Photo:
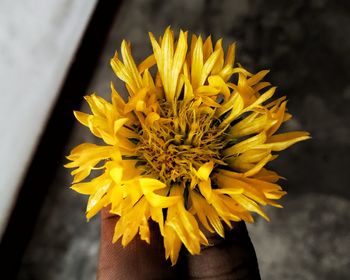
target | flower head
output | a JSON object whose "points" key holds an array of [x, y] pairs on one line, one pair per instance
{"points": [[189, 146]]}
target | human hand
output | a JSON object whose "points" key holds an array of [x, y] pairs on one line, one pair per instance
{"points": [[230, 258]]}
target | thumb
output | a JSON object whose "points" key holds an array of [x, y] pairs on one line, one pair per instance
{"points": [[232, 257]]}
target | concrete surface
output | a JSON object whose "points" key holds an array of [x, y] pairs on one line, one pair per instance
{"points": [[306, 45]]}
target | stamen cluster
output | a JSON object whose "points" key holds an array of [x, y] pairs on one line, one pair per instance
{"points": [[171, 149]]}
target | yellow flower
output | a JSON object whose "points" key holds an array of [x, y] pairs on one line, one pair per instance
{"points": [[189, 146]]}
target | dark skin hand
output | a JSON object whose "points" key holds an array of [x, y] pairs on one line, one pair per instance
{"points": [[230, 258]]}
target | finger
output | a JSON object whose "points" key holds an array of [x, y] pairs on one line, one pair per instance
{"points": [[138, 260], [230, 258]]}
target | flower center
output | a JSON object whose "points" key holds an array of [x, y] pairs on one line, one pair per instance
{"points": [[174, 145]]}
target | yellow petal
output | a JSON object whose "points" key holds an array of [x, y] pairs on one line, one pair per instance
{"points": [[229, 184], [267, 175], [250, 205], [151, 118], [258, 166], [85, 157], [232, 211], [116, 174], [204, 171], [117, 100], [207, 48], [118, 124], [199, 205], [247, 126], [144, 231], [279, 117], [245, 145], [148, 187], [214, 220], [187, 230], [96, 104], [282, 141], [157, 216], [172, 244], [220, 61], [230, 191], [96, 197], [130, 64], [188, 94], [147, 63], [130, 171], [122, 73], [229, 104], [82, 117], [217, 82], [265, 96], [178, 60], [207, 90], [250, 156], [86, 188], [103, 202], [230, 173], [257, 77], [107, 137], [218, 202], [161, 201], [236, 105], [116, 198], [129, 223], [261, 86], [205, 189], [197, 63], [230, 55], [208, 66], [137, 102]]}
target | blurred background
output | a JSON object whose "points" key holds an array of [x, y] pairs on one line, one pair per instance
{"points": [[52, 53]]}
